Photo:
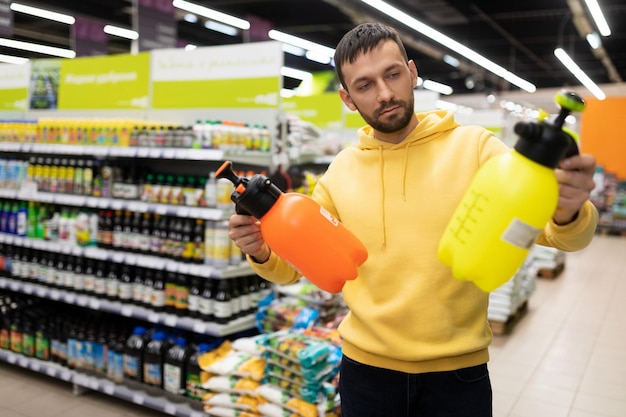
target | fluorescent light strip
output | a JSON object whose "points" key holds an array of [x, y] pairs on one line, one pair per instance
{"points": [[121, 32], [295, 73], [598, 17], [46, 14], [221, 28], [317, 57], [293, 50], [301, 43], [438, 87], [35, 47], [452, 61], [212, 14], [451, 44], [9, 59], [569, 63]]}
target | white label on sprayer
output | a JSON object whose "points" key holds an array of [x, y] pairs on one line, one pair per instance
{"points": [[520, 234], [329, 216]]}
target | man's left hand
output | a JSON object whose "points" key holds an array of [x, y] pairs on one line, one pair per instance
{"points": [[575, 178]]}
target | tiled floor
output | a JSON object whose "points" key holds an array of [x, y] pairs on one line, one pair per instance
{"points": [[566, 357]]}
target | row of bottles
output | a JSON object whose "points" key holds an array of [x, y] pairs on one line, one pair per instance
{"points": [[115, 179], [225, 135], [195, 241], [216, 301], [98, 343]]}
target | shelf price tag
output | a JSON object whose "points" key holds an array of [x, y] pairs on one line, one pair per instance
{"points": [[35, 366], [153, 317], [81, 300], [127, 311], [199, 327], [28, 289], [12, 359], [170, 409], [169, 153], [138, 399], [51, 371], [94, 304], [23, 362], [108, 389], [94, 384], [171, 321]]}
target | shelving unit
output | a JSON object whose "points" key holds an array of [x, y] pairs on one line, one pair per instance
{"points": [[105, 386]]}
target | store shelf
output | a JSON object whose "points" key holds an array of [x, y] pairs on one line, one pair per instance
{"points": [[205, 213], [146, 261], [128, 310], [244, 157], [101, 385]]}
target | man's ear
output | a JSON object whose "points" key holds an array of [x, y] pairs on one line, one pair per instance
{"points": [[347, 100], [413, 71]]}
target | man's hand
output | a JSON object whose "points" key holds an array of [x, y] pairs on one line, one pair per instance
{"points": [[245, 231], [575, 178]]}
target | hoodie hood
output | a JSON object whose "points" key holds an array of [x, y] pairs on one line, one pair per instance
{"points": [[429, 126]]}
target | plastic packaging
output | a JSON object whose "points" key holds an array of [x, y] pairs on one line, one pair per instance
{"points": [[509, 202], [299, 230]]}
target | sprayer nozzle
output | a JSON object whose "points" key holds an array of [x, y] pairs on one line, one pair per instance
{"points": [[226, 171]]}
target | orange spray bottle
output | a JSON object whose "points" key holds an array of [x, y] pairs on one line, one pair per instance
{"points": [[299, 230]]}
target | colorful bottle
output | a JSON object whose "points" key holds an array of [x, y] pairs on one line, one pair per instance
{"points": [[508, 203], [325, 252]]}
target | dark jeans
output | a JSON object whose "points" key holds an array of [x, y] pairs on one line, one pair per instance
{"points": [[367, 391]]}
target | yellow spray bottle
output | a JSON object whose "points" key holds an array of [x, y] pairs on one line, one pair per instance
{"points": [[509, 202]]}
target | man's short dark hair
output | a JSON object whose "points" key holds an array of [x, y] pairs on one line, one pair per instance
{"points": [[362, 39]]}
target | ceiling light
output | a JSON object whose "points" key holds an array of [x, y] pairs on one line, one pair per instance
{"points": [[317, 57], [451, 44], [212, 14], [594, 40], [293, 50], [452, 61], [9, 59], [301, 43], [121, 32], [295, 73], [46, 14], [221, 28], [598, 17], [578, 73], [438, 87], [35, 47], [190, 47], [191, 18]]}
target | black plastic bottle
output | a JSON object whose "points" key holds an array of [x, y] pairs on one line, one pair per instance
{"points": [[157, 300], [174, 367], [181, 304], [223, 306], [134, 354], [112, 284], [125, 286], [153, 360], [195, 375], [206, 308], [195, 294]]}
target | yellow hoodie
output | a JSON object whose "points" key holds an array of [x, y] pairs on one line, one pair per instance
{"points": [[407, 312]]}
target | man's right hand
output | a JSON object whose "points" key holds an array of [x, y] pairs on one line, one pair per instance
{"points": [[245, 231]]}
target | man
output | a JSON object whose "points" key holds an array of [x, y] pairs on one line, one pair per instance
{"points": [[415, 341]]}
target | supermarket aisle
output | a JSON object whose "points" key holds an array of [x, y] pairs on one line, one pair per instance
{"points": [[564, 358]]}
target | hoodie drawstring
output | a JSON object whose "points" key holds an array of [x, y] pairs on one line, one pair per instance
{"points": [[381, 164], [405, 162]]}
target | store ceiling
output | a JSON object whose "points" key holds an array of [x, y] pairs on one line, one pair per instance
{"points": [[520, 36]]}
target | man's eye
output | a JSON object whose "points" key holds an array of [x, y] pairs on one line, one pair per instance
{"points": [[364, 86], [394, 75]]}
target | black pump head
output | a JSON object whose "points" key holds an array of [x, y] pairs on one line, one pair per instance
{"points": [[548, 143], [253, 196]]}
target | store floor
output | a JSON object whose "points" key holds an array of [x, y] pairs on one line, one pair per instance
{"points": [[566, 357]]}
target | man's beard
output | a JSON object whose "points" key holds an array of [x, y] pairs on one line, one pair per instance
{"points": [[396, 123]]}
